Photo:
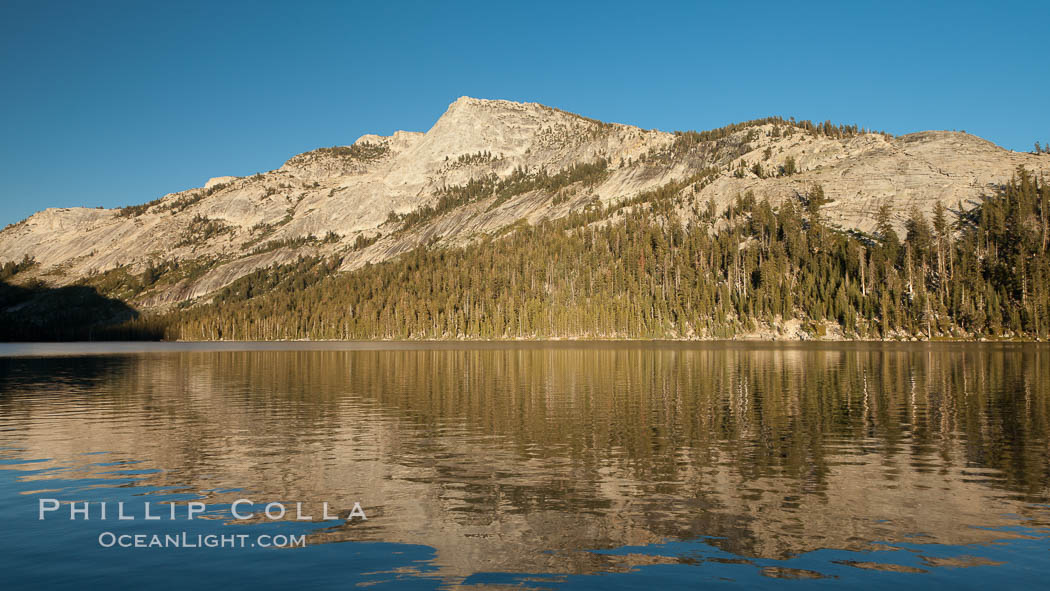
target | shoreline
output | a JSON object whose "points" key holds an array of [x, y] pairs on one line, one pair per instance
{"points": [[740, 339], [92, 348]]}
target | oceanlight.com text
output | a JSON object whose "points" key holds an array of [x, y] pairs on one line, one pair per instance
{"points": [[108, 539]]}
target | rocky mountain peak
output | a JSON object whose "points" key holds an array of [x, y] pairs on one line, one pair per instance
{"points": [[381, 196]]}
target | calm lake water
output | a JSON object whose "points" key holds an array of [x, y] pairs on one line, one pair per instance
{"points": [[534, 465]]}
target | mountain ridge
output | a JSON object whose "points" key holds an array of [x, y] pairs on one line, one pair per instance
{"points": [[382, 196]]}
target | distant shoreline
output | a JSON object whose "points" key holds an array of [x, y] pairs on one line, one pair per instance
{"points": [[89, 348], [741, 339]]}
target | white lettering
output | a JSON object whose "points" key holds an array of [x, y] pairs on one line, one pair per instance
{"points": [[73, 511], [194, 508], [51, 505], [357, 511], [279, 506], [236, 515]]}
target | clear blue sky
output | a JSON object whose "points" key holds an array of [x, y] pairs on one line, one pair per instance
{"points": [[112, 103]]}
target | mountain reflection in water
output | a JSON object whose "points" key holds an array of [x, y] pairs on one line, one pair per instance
{"points": [[554, 458]]}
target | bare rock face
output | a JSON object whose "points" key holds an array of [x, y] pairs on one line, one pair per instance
{"points": [[862, 173], [325, 202], [219, 180]]}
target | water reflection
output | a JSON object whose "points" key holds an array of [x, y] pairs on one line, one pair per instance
{"points": [[524, 459]]}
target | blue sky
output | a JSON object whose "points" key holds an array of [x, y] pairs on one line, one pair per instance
{"points": [[113, 103]]}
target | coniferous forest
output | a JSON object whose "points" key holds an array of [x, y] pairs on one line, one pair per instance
{"points": [[638, 270]]}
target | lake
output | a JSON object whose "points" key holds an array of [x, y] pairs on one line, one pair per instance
{"points": [[536, 465]]}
